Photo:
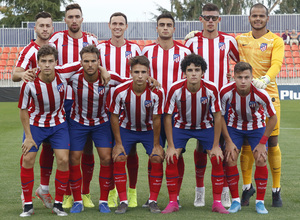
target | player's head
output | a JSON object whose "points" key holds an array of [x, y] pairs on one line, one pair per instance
{"points": [[90, 60], [210, 17], [139, 69], [47, 59], [165, 26], [73, 17], [259, 16], [193, 67], [118, 24], [43, 25], [243, 77]]}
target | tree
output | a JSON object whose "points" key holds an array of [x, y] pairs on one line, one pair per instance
{"points": [[16, 11]]}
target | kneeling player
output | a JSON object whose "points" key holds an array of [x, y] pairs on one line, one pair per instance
{"points": [[247, 113], [194, 98], [139, 123]]}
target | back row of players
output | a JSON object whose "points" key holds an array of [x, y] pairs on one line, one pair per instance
{"points": [[88, 114]]}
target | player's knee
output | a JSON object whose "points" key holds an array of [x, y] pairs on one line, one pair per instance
{"points": [[62, 160], [121, 158], [28, 160], [105, 161], [156, 159], [74, 159]]}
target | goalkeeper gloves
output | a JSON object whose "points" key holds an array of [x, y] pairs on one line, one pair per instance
{"points": [[190, 35], [262, 82]]}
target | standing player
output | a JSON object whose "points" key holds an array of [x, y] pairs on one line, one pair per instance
{"points": [[165, 57], [115, 55], [264, 51], [195, 99], [140, 122], [248, 109], [42, 117], [216, 48]]}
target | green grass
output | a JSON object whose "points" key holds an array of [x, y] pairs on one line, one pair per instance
{"points": [[10, 190]]}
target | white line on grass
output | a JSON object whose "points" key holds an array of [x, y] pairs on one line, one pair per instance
{"points": [[290, 128]]}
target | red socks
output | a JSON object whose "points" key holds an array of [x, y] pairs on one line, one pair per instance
{"points": [[200, 159], [27, 181], [180, 167], [87, 167], [155, 179], [75, 182], [105, 181], [217, 178], [172, 179], [61, 181], [120, 178], [46, 163], [261, 179], [233, 177], [132, 168]]}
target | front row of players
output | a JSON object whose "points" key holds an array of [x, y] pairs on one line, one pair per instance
{"points": [[135, 116]]}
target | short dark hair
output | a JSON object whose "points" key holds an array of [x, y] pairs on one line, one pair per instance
{"points": [[73, 6], [210, 7], [90, 49], [259, 5], [197, 60], [165, 15], [242, 66], [47, 50], [142, 60], [118, 14], [43, 14]]}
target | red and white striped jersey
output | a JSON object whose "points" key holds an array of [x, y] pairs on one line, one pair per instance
{"points": [[116, 58], [216, 52], [138, 110], [44, 101], [193, 108], [165, 64], [91, 98], [246, 113], [28, 56]]}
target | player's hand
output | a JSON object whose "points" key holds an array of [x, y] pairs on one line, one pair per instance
{"points": [[216, 151], [153, 83], [171, 151], [158, 151], [190, 35], [117, 150], [27, 145], [91, 35], [261, 151], [105, 76], [262, 82], [29, 75], [230, 151]]}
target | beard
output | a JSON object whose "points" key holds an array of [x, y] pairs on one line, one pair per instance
{"points": [[74, 30], [260, 28], [42, 37]]}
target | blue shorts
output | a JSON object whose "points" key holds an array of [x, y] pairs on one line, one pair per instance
{"points": [[100, 134], [204, 136], [163, 137], [67, 106], [253, 136], [57, 136], [130, 138]]}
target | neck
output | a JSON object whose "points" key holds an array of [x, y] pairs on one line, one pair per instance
{"points": [[259, 33], [41, 42], [243, 93], [117, 42], [193, 87], [166, 44], [139, 89], [210, 35], [76, 35], [46, 78], [91, 78]]}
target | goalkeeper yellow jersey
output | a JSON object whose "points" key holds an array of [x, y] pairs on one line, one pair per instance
{"points": [[265, 55]]}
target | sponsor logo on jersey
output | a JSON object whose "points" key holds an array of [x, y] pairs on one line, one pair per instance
{"points": [[85, 44], [107, 54], [252, 104], [153, 57], [101, 90], [128, 54], [176, 58], [60, 87], [204, 100], [148, 103], [263, 47], [222, 46]]}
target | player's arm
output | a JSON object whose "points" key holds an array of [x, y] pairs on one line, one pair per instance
{"points": [[171, 151], [105, 76], [157, 149], [28, 141], [230, 148], [118, 148], [21, 74], [154, 84], [216, 150]]}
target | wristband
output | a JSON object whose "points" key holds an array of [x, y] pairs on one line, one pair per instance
{"points": [[263, 140]]}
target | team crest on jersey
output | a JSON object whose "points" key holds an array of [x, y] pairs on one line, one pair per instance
{"points": [[148, 103], [252, 104], [128, 54], [222, 46], [85, 44], [263, 47], [176, 58], [101, 90], [60, 87], [204, 100]]}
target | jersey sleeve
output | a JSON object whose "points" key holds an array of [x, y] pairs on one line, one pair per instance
{"points": [[277, 58], [267, 104], [69, 69], [115, 106], [234, 52], [24, 59], [25, 96], [215, 100], [159, 103], [170, 101]]}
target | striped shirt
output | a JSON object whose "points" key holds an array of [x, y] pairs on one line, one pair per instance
{"points": [[249, 112], [28, 56], [193, 108]]}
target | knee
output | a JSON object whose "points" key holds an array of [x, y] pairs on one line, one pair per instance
{"points": [[156, 159], [121, 158], [28, 161], [105, 161], [62, 160]]}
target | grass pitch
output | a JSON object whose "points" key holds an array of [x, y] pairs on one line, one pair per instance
{"points": [[10, 204]]}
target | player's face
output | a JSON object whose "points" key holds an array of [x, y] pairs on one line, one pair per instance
{"points": [[258, 18], [193, 74], [47, 64], [210, 20], [90, 63], [43, 28], [139, 74], [117, 26], [243, 82], [165, 28], [74, 19]]}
